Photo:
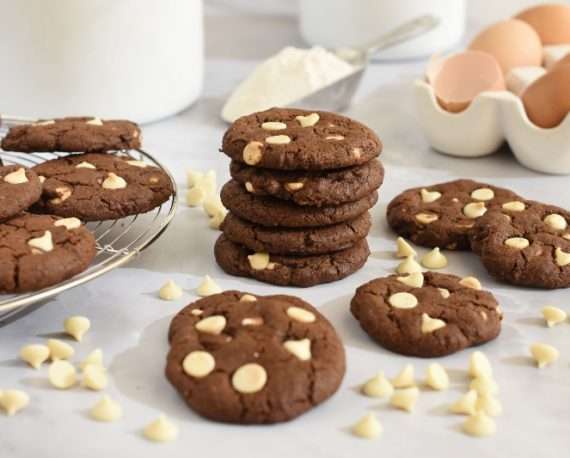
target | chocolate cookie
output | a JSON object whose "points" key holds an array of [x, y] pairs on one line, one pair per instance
{"points": [[296, 241], [442, 215], [73, 134], [527, 244], [426, 315], [97, 187], [289, 270], [271, 212], [37, 251], [291, 139], [19, 189], [247, 359], [333, 187]]}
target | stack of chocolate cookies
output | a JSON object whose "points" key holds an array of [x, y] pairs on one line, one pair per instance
{"points": [[302, 184]]}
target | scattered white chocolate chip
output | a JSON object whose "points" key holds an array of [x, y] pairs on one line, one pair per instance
{"points": [[403, 300], [437, 377], [43, 243], [409, 266], [519, 243], [197, 312], [16, 177], [214, 324], [63, 193], [430, 324], [258, 261], [489, 404], [562, 258], [217, 220], [59, 349], [85, 165], [95, 358], [208, 287], [248, 298], [471, 282], [42, 179], [479, 365], [426, 218], [301, 315], [139, 164], [94, 377], [308, 120], [113, 182], [566, 236], [77, 326], [405, 378], [170, 291], [300, 348], [444, 292], [434, 259], [514, 206], [357, 152], [68, 223], [253, 152], [466, 404], [405, 398], [198, 364], [484, 385], [295, 186], [249, 378], [474, 210], [193, 177], [479, 425], [415, 280], [35, 355], [255, 321], [273, 125], [429, 196], [483, 194], [404, 249], [62, 374], [95, 122], [12, 401], [368, 427], [161, 430], [553, 315], [556, 222], [544, 354], [378, 387], [212, 205], [278, 140], [106, 410]]}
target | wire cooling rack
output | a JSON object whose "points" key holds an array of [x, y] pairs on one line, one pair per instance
{"points": [[118, 241]]}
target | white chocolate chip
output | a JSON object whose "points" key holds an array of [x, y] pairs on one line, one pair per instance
{"points": [[193, 177], [471, 282], [444, 292], [553, 315], [408, 266], [248, 298], [514, 206], [434, 259], [367, 427], [195, 196], [479, 425], [35, 355], [49, 122], [484, 385], [85, 165], [544, 354], [198, 364], [94, 377], [214, 324], [95, 358], [68, 223], [483, 194], [437, 378], [405, 399], [273, 125], [479, 365], [258, 261], [77, 326], [466, 404], [308, 120], [249, 187], [139, 164], [295, 186], [556, 222], [249, 378], [12, 401], [301, 315], [483, 315], [403, 300], [106, 410], [212, 205], [518, 243], [252, 153], [426, 218], [415, 280], [562, 258], [488, 404], [272, 265], [566, 236], [197, 312], [63, 193], [95, 122], [357, 152], [255, 321], [16, 177], [161, 430], [474, 210], [59, 349], [42, 179], [378, 387], [170, 291], [62, 374], [278, 140], [429, 196], [300, 348], [430, 324], [43, 243], [114, 182], [404, 249], [405, 378], [208, 287]]}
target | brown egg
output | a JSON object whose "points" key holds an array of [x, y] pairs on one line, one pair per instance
{"points": [[463, 76], [547, 100], [551, 21], [512, 42]]}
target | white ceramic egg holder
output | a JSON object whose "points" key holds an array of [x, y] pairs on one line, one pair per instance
{"points": [[490, 119]]}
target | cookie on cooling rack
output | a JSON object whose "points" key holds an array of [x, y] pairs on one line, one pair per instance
{"points": [[19, 189], [37, 251], [96, 187], [73, 134], [240, 358]]}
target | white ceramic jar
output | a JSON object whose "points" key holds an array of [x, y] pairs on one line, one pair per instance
{"points": [[340, 23], [135, 59]]}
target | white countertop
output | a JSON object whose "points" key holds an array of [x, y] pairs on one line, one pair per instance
{"points": [[130, 322]]}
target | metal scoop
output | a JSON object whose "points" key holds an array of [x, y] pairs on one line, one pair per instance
{"points": [[338, 95]]}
